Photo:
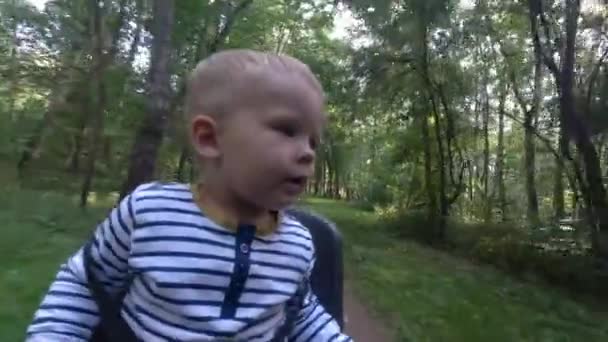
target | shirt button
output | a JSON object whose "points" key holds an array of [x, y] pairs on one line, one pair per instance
{"points": [[244, 248]]}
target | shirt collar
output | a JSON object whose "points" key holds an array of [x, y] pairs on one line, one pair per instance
{"points": [[265, 225]]}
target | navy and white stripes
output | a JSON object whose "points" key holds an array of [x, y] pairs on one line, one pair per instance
{"points": [[194, 280]]}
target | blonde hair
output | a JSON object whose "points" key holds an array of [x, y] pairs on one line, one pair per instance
{"points": [[214, 84]]}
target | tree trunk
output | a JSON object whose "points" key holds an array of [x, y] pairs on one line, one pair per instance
{"points": [[57, 101], [330, 167], [181, 165], [74, 164], [529, 146], [444, 204], [476, 130], [98, 88], [107, 151], [439, 223], [428, 171], [14, 67], [471, 174], [576, 127], [558, 182], [529, 170], [34, 140], [326, 176], [443, 200], [329, 179], [593, 176], [487, 207], [500, 156], [336, 190], [150, 134], [193, 173], [137, 35], [202, 50], [319, 170], [337, 171]]}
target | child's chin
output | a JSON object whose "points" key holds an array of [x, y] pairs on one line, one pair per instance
{"points": [[283, 203]]}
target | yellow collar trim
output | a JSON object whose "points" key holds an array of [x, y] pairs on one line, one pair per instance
{"points": [[265, 225]]}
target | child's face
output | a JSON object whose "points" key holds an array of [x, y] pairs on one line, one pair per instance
{"points": [[266, 150]]}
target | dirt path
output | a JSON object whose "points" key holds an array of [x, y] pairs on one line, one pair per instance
{"points": [[359, 323]]}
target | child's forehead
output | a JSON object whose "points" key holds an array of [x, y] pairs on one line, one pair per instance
{"points": [[238, 78], [242, 60], [236, 67], [281, 91]]}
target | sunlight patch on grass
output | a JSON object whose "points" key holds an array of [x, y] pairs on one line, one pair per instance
{"points": [[102, 199]]}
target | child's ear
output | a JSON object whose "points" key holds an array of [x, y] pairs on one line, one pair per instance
{"points": [[204, 136]]}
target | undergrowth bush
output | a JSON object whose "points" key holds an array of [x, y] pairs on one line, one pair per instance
{"points": [[519, 251]]}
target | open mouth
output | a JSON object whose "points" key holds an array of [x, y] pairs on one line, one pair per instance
{"points": [[295, 185], [299, 181]]}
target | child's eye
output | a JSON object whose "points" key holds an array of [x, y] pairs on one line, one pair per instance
{"points": [[285, 129], [313, 144]]}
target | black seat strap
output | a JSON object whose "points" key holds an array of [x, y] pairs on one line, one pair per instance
{"points": [[112, 327]]}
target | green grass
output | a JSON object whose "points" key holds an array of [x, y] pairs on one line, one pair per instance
{"points": [[39, 231], [424, 294], [427, 295]]}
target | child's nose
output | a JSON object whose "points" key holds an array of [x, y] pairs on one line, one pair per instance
{"points": [[306, 153], [307, 156]]}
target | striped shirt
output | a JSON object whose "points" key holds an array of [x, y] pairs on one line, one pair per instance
{"points": [[193, 280]]}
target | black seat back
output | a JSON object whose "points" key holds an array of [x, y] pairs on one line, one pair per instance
{"points": [[328, 272]]}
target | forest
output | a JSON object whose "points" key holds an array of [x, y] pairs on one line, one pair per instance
{"points": [[464, 136]]}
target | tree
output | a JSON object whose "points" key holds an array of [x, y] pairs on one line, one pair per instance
{"points": [[500, 156], [573, 123], [99, 90], [150, 134], [502, 101], [206, 46]]}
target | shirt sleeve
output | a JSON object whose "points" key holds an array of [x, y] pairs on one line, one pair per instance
{"points": [[68, 311], [313, 322]]}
